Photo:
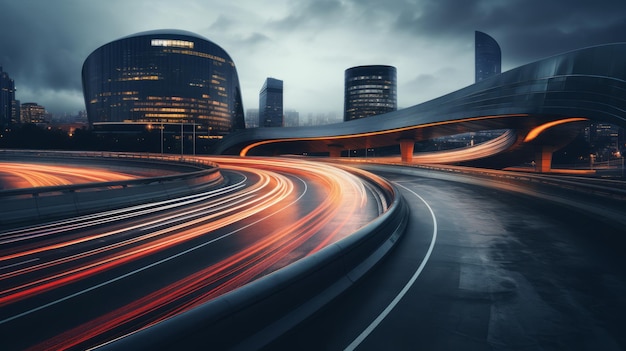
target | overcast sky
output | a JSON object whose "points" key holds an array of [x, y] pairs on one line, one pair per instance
{"points": [[306, 43]]}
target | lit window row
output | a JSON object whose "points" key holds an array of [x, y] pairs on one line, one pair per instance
{"points": [[365, 77], [163, 109], [168, 115], [366, 91], [196, 53], [125, 79], [367, 86], [172, 43]]}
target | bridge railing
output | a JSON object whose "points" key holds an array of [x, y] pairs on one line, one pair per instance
{"points": [[36, 204], [130, 156]]}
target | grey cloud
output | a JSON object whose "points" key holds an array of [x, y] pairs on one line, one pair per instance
{"points": [[44, 43], [311, 14]]}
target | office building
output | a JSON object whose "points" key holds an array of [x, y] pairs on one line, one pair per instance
{"points": [[369, 91], [271, 103], [488, 58], [33, 113], [163, 77], [9, 110]]}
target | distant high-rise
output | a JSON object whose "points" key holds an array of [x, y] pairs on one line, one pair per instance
{"points": [[488, 58], [369, 91], [33, 113], [271, 103], [8, 107]]}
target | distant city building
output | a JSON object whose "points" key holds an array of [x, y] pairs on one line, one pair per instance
{"points": [[488, 58], [271, 103], [9, 107], [163, 76], [292, 118], [369, 91], [33, 113], [321, 119], [82, 117], [252, 118], [16, 112], [604, 135]]}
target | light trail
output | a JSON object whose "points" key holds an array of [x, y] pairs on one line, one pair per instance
{"points": [[28, 175], [38, 261]]}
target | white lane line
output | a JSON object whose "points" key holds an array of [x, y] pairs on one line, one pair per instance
{"points": [[154, 264], [408, 285]]}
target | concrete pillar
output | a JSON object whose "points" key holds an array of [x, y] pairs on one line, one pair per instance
{"points": [[335, 150], [406, 150], [543, 159]]}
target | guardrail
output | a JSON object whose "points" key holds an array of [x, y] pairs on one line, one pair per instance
{"points": [[45, 154], [610, 189], [255, 314], [29, 205]]}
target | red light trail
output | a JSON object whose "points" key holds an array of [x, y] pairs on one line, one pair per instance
{"points": [[281, 211]]}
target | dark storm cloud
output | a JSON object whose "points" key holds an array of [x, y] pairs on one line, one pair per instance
{"points": [[312, 15], [44, 43], [527, 30]]}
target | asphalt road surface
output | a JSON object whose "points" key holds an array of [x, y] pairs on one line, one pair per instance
{"points": [[80, 282], [482, 268]]}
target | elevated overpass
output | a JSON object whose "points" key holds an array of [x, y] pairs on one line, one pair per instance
{"points": [[544, 104]]}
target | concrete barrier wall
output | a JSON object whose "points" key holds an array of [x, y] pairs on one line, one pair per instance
{"points": [[31, 205], [255, 314]]}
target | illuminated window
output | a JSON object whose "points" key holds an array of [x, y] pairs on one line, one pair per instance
{"points": [[173, 43]]}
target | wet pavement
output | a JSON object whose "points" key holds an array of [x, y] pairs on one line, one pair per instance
{"points": [[507, 272]]}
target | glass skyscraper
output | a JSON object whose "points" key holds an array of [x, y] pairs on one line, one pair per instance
{"points": [[488, 58], [163, 76], [369, 91], [8, 108], [271, 103]]}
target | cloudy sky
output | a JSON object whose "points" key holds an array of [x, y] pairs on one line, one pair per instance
{"points": [[306, 43]]}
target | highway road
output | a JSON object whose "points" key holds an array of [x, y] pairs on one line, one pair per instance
{"points": [[485, 266], [80, 282]]}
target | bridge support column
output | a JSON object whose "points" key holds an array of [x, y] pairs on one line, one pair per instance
{"points": [[406, 149], [335, 150], [543, 159]]}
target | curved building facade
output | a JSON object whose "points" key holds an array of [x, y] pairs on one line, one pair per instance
{"points": [[369, 91], [488, 57], [541, 102], [163, 76]]}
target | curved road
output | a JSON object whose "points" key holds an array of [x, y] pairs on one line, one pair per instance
{"points": [[483, 268], [77, 283]]}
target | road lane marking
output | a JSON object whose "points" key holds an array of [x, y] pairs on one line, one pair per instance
{"points": [[354, 344], [154, 264]]}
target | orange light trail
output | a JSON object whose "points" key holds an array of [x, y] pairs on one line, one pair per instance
{"points": [[540, 129], [246, 149], [40, 266], [27, 175]]}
